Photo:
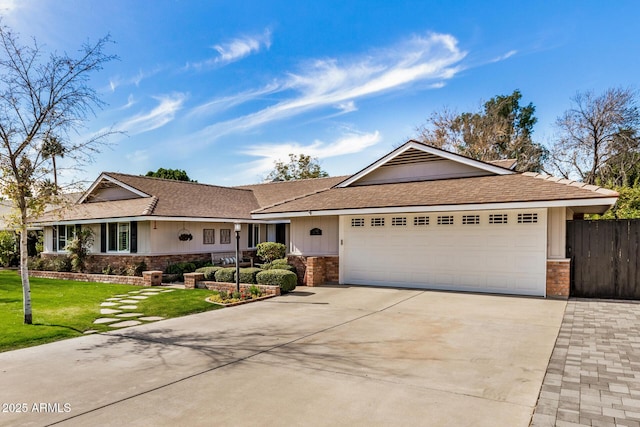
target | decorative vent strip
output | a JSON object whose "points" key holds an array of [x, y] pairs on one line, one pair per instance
{"points": [[445, 219], [399, 221], [377, 222], [498, 218], [357, 222], [470, 219], [420, 220], [527, 218]]}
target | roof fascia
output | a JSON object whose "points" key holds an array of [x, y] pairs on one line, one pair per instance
{"points": [[604, 201], [104, 176], [428, 149], [159, 218]]}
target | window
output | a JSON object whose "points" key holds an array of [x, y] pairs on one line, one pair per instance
{"points": [[62, 234], [470, 219], [399, 221], [377, 222], [357, 222], [208, 236], [420, 220], [527, 218], [225, 236], [498, 218], [254, 235], [445, 219], [118, 236]]}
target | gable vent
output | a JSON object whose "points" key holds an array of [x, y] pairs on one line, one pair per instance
{"points": [[377, 222], [420, 220], [412, 156], [357, 222], [445, 219], [470, 219], [399, 221]]}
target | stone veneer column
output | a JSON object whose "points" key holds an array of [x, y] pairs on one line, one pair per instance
{"points": [[192, 279], [152, 278], [558, 278]]}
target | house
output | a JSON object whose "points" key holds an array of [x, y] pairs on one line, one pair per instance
{"points": [[418, 217]]}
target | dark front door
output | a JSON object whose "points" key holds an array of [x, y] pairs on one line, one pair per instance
{"points": [[281, 233]]}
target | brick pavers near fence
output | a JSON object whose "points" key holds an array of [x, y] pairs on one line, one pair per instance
{"points": [[593, 377]]}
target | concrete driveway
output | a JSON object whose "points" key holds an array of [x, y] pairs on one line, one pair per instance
{"points": [[319, 356]]}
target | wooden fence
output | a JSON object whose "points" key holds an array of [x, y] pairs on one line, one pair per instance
{"points": [[605, 258]]}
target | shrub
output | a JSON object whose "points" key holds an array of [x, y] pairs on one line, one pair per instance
{"points": [[9, 249], [61, 264], [136, 269], [255, 291], [286, 279], [181, 268], [225, 275], [248, 275], [108, 270], [269, 251], [209, 272], [276, 266], [37, 264], [78, 248]]}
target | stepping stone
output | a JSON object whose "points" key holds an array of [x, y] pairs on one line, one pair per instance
{"points": [[151, 318], [123, 296], [168, 290], [139, 297], [125, 324], [128, 307], [90, 331], [134, 292], [109, 311], [129, 314], [130, 301], [105, 320], [150, 294], [114, 299], [108, 304]]}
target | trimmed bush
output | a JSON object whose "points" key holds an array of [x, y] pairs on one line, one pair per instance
{"points": [[248, 275], [286, 279], [225, 275], [209, 272], [268, 251], [279, 266], [181, 268]]}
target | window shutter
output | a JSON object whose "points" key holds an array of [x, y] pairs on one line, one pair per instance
{"points": [[55, 238], [133, 248], [103, 237]]}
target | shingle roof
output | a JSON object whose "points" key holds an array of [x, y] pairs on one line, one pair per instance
{"points": [[270, 193], [477, 190]]}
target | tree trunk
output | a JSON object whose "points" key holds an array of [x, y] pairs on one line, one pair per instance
{"points": [[24, 273], [55, 175]]}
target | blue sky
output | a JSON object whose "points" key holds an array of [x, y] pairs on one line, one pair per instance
{"points": [[222, 89]]}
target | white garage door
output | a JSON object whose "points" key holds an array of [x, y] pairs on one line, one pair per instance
{"points": [[484, 251]]}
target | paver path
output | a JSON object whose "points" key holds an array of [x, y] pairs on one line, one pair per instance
{"points": [[121, 307], [593, 377]]}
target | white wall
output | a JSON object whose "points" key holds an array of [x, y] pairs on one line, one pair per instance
{"points": [[163, 237], [556, 233], [304, 244]]}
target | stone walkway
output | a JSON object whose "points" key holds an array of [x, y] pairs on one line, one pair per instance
{"points": [[593, 377], [121, 310]]}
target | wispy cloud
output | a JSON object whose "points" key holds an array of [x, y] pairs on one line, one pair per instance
{"points": [[8, 6], [117, 81], [351, 142], [159, 116], [504, 56], [224, 103], [235, 49], [338, 83]]}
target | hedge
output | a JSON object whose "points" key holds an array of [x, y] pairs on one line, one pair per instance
{"points": [[248, 275], [286, 279], [209, 272], [225, 275]]}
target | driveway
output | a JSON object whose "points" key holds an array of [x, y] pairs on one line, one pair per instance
{"points": [[319, 356]]}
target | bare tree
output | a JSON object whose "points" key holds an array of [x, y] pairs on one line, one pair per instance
{"points": [[41, 96], [598, 137]]}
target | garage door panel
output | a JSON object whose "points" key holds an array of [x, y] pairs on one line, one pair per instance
{"points": [[507, 258]]}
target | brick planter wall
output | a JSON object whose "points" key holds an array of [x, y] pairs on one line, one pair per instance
{"points": [[315, 271], [558, 278], [85, 277], [195, 280]]}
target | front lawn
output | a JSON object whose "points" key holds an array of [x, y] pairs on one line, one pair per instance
{"points": [[64, 308]]}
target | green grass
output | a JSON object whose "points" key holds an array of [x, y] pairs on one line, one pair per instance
{"points": [[64, 309]]}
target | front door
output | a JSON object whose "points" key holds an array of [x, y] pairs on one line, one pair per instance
{"points": [[281, 233]]}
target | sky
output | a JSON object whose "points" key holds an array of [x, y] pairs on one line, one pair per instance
{"points": [[223, 89]]}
